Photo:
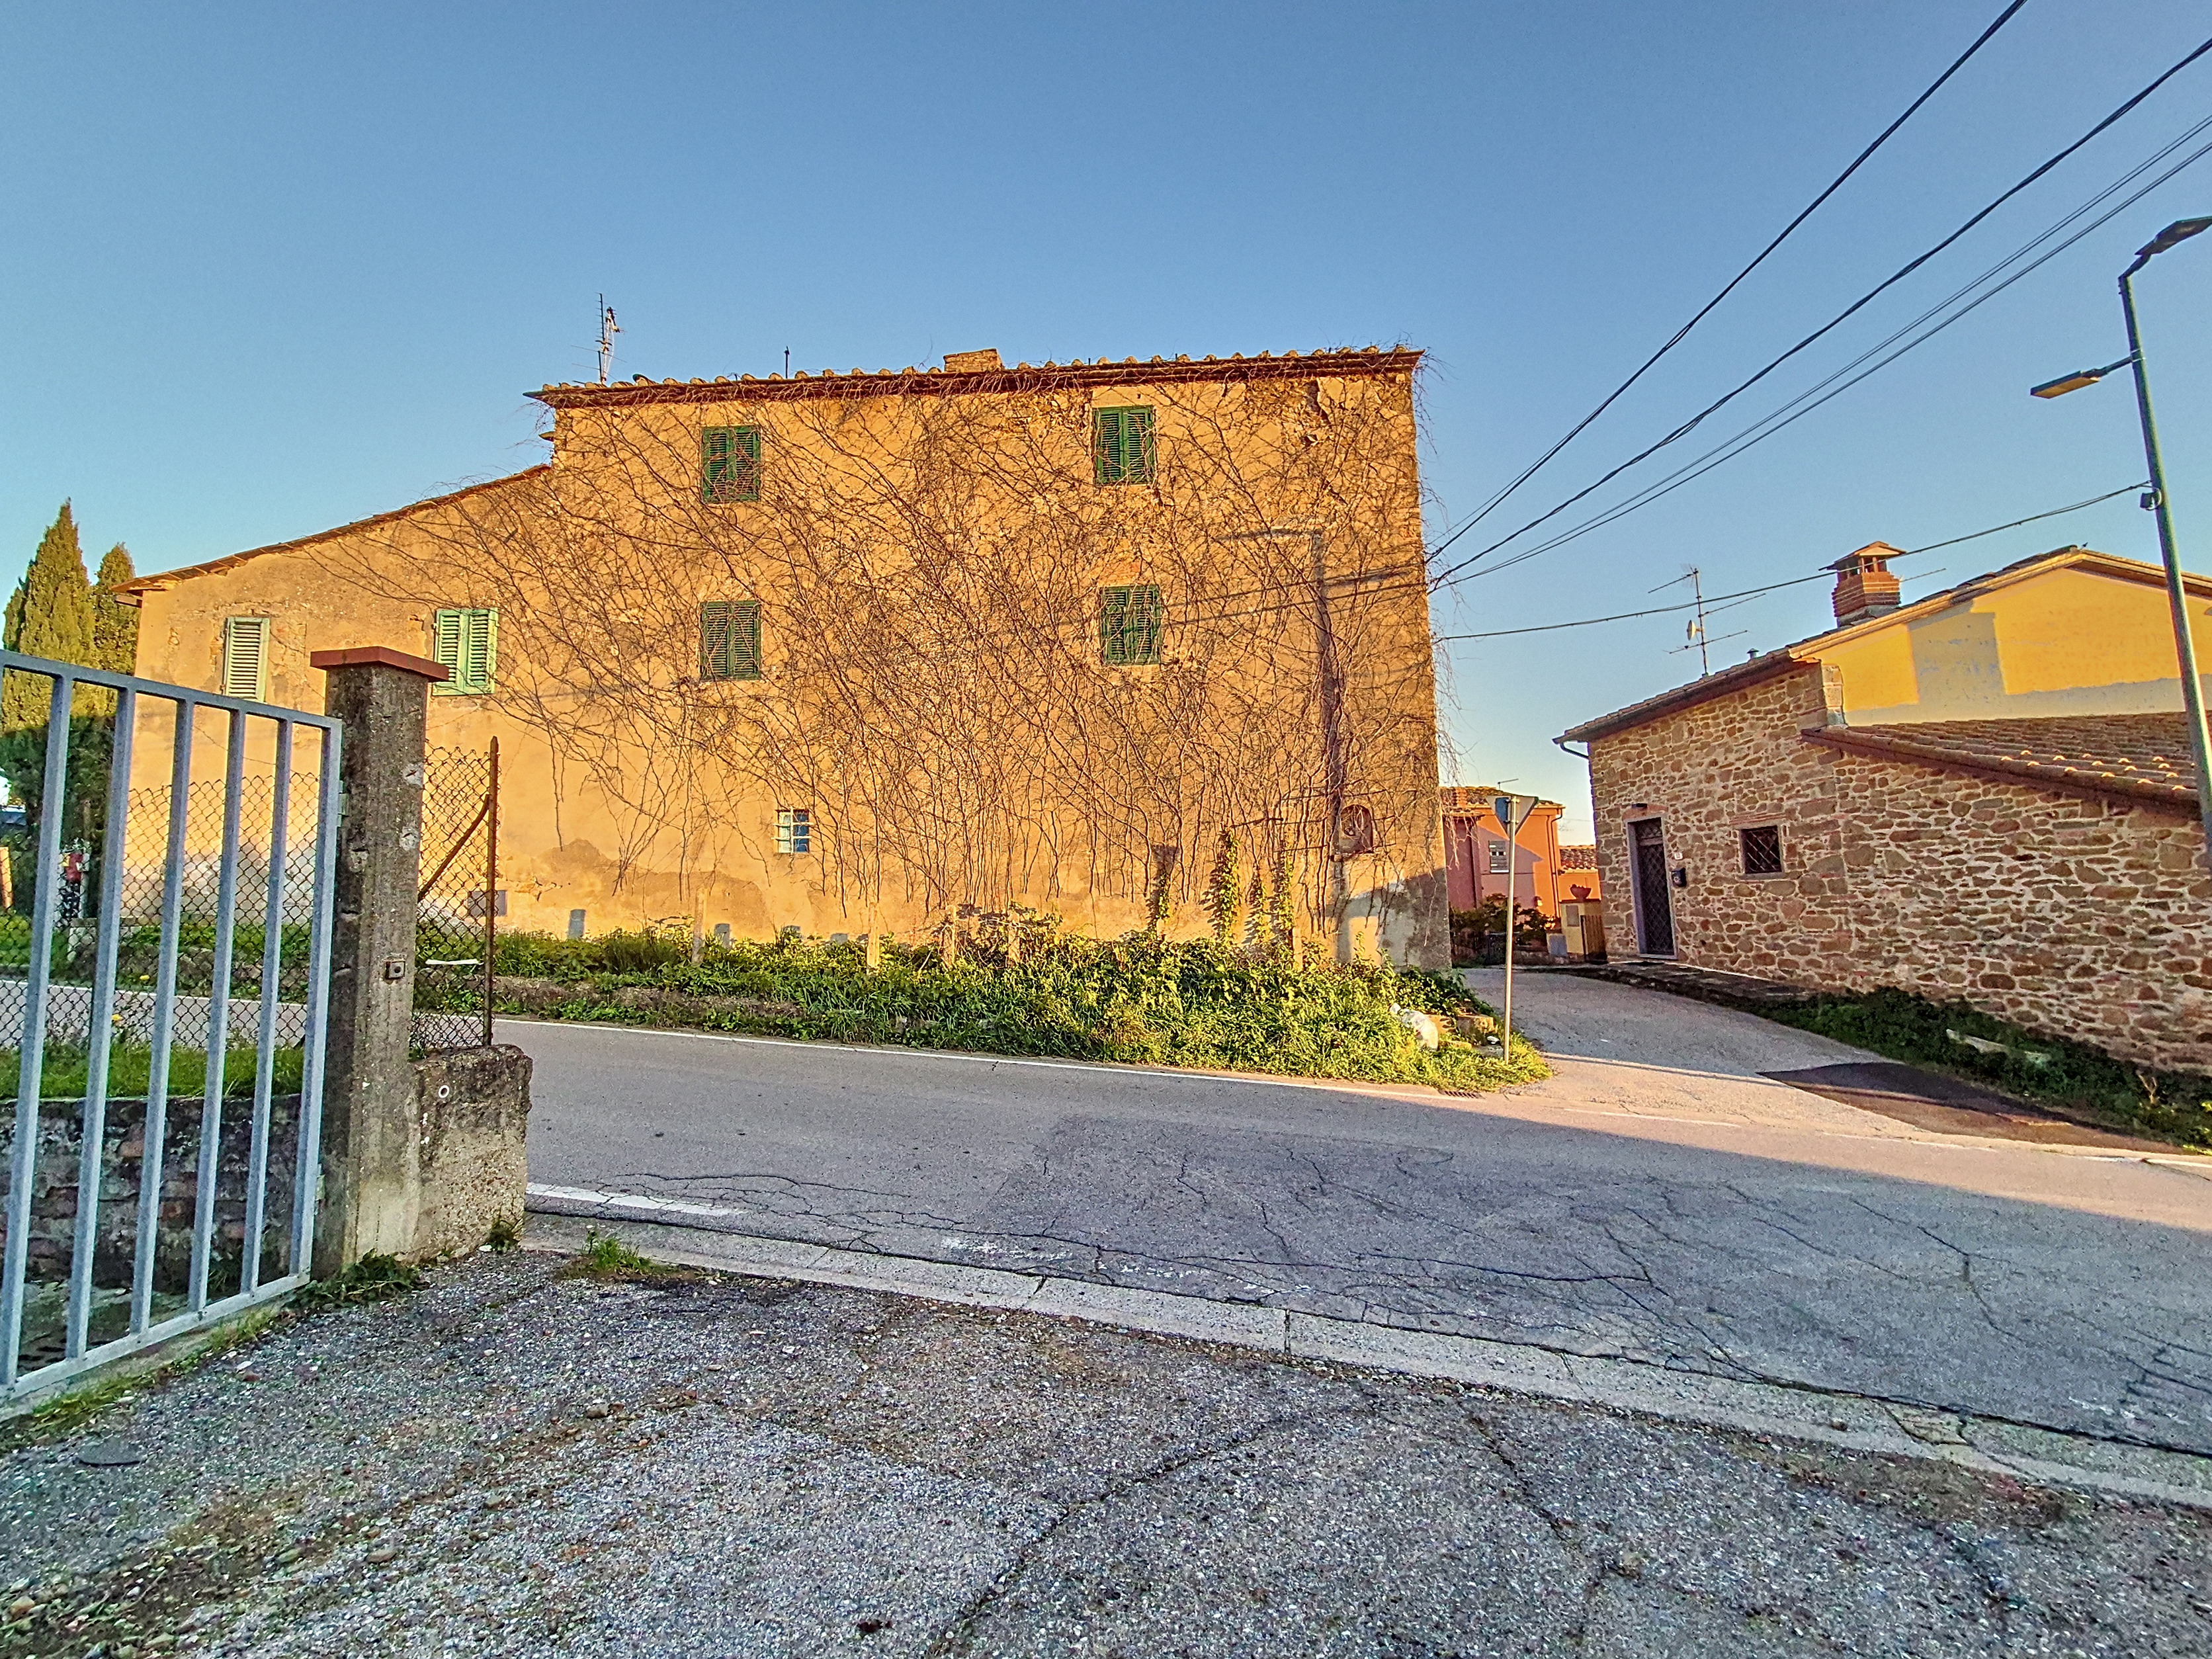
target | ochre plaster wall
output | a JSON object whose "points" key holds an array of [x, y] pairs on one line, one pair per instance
{"points": [[635, 792]]}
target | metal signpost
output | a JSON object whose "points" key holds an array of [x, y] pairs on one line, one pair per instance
{"points": [[1512, 812]]}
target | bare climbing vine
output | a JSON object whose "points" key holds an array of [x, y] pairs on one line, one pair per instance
{"points": [[928, 570]]}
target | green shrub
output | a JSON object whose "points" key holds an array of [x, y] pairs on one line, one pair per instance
{"points": [[1022, 986]]}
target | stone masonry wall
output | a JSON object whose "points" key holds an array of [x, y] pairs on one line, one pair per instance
{"points": [[2084, 918], [1707, 772], [2076, 916]]}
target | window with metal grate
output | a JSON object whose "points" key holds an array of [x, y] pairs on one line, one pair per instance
{"points": [[466, 641], [1130, 622], [245, 658], [794, 830], [1762, 850], [1121, 446], [730, 464], [730, 640]]}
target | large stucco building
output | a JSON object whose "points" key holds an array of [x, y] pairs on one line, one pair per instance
{"points": [[853, 652], [1986, 795]]}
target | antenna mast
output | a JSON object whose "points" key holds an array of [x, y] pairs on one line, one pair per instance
{"points": [[1694, 635], [608, 329]]}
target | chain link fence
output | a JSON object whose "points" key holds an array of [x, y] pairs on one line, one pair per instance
{"points": [[461, 900]]}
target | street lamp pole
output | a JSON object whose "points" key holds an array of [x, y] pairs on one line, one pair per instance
{"points": [[2177, 596], [2193, 690]]}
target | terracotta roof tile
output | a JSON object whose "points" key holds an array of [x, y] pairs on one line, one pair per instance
{"points": [[1022, 377], [2140, 756]]}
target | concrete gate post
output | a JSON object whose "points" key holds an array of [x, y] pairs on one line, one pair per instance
{"points": [[372, 1194]]}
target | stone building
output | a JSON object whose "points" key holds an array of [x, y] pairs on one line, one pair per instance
{"points": [[1986, 795], [856, 653]]}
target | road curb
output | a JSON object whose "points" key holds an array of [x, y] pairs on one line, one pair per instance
{"points": [[697, 1235]]}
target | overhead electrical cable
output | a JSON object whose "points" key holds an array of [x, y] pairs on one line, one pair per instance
{"points": [[1787, 414], [1729, 601], [1834, 323], [1710, 306]]}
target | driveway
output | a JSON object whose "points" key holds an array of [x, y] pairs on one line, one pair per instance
{"points": [[1659, 1200]]}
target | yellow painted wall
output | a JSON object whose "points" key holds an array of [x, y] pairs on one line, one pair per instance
{"points": [[2070, 639], [928, 570]]}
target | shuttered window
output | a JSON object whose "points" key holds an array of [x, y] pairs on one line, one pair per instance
{"points": [[466, 641], [730, 640], [1121, 445], [794, 830], [730, 464], [245, 658], [1130, 622]]}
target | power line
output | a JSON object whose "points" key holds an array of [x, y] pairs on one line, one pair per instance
{"points": [[1707, 309], [1718, 601], [1776, 419], [1852, 310]]}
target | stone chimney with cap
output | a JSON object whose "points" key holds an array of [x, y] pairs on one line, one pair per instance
{"points": [[985, 362], [1864, 587]]}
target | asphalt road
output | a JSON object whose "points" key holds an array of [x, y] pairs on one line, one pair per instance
{"points": [[1659, 1200]]}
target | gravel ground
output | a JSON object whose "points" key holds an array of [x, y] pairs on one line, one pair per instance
{"points": [[509, 1461]]}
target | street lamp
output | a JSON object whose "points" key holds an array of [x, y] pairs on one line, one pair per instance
{"points": [[2192, 693]]}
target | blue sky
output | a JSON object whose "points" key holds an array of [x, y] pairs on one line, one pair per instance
{"points": [[269, 269]]}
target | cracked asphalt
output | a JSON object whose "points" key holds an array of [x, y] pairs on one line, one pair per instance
{"points": [[1659, 1200], [510, 1462]]}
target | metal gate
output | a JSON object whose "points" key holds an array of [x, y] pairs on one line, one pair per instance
{"points": [[459, 908], [165, 959]]}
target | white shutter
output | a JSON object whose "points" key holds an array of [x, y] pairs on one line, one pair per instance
{"points": [[245, 658]]}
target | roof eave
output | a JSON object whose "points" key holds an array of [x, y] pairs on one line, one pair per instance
{"points": [[1368, 362], [1774, 664]]}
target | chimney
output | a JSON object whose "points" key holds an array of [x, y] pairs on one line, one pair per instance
{"points": [[1864, 587], [985, 362]]}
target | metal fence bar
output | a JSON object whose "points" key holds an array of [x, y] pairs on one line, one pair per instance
{"points": [[154, 1133], [50, 1336], [100, 1028], [272, 962], [307, 1178], [218, 1032], [33, 1041]]}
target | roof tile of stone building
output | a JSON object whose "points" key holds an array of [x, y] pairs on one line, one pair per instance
{"points": [[1794, 657], [2142, 756], [1369, 361]]}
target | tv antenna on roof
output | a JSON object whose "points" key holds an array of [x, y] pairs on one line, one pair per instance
{"points": [[608, 329], [1694, 635]]}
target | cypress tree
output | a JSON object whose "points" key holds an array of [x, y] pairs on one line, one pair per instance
{"points": [[51, 615], [115, 624]]}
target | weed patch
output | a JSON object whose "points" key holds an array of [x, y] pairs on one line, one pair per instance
{"points": [[607, 1258], [375, 1278], [2174, 1105], [1027, 988]]}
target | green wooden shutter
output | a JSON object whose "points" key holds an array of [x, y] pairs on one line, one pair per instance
{"points": [[480, 651], [714, 640], [1143, 629], [1121, 445], [730, 640], [446, 648], [1131, 621], [1113, 614], [467, 643], [746, 640], [730, 464]]}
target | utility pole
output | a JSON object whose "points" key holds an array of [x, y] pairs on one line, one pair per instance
{"points": [[608, 329]]}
